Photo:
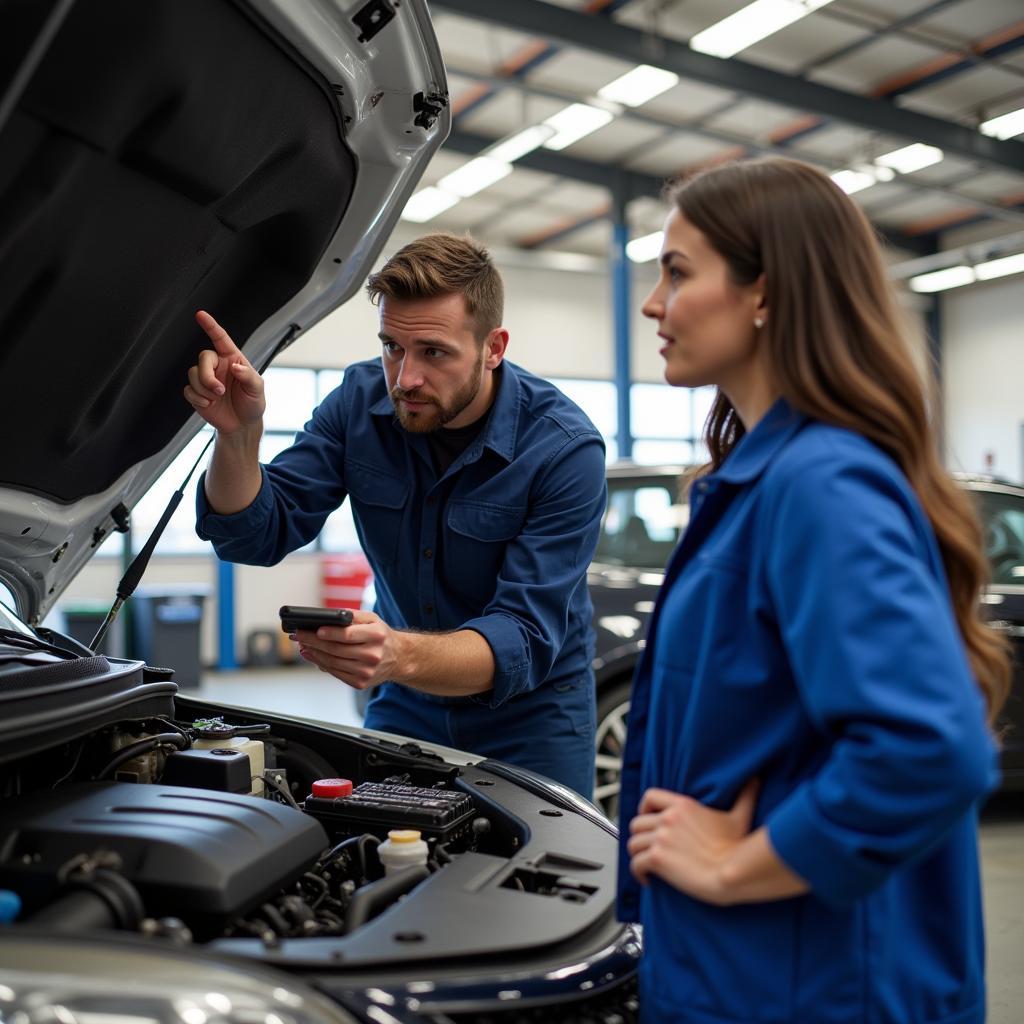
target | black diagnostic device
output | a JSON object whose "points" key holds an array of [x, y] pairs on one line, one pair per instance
{"points": [[294, 617]]}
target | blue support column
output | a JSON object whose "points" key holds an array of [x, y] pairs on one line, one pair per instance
{"points": [[933, 326], [226, 659], [621, 302]]}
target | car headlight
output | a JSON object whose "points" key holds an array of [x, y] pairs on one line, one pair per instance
{"points": [[59, 980]]}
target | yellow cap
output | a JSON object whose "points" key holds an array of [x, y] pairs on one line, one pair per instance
{"points": [[404, 835]]}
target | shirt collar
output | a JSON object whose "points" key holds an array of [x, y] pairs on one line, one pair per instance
{"points": [[502, 428], [749, 459]]}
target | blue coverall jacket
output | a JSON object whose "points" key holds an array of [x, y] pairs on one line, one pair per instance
{"points": [[804, 636], [499, 544]]}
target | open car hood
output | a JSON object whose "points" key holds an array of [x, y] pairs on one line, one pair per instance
{"points": [[249, 157]]}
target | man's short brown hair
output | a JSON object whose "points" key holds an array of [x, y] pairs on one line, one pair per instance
{"points": [[444, 264]]}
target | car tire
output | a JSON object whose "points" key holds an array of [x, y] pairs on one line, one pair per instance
{"points": [[612, 716]]}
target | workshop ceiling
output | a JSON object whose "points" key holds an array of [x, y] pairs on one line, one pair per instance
{"points": [[841, 86]]}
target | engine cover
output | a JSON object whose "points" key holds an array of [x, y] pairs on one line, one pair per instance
{"points": [[196, 854]]}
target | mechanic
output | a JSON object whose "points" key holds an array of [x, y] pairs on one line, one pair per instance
{"points": [[477, 491]]}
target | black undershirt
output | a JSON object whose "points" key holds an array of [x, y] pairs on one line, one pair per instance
{"points": [[447, 444]]}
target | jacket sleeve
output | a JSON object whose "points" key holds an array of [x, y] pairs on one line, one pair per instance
{"points": [[864, 612], [301, 487], [527, 620]]}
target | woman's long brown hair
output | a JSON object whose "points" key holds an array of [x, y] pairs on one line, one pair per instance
{"points": [[838, 352]]}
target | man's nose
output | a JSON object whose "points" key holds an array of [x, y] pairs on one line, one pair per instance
{"points": [[410, 374]]}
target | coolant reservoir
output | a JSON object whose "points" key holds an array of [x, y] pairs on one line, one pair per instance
{"points": [[403, 848], [254, 748]]}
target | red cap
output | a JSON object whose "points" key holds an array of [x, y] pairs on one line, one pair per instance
{"points": [[332, 788]]}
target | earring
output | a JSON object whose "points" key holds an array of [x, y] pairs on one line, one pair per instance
{"points": [[758, 322]]}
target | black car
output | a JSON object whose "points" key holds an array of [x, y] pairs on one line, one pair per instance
{"points": [[167, 859], [647, 511]]}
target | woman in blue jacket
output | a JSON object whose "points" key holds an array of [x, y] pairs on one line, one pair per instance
{"points": [[808, 740]]}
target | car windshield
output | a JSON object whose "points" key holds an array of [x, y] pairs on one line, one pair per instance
{"points": [[643, 522], [1003, 518]]}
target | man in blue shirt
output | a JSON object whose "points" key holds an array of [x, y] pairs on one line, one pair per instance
{"points": [[477, 491]]}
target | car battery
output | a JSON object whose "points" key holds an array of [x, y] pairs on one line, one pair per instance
{"points": [[376, 807]]}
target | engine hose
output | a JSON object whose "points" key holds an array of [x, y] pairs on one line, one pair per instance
{"points": [[103, 899], [376, 897], [174, 739]]}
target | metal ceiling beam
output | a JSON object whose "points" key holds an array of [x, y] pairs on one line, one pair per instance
{"points": [[629, 184], [626, 43], [991, 209], [634, 183]]}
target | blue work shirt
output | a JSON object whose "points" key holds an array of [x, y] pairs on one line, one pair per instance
{"points": [[804, 636], [499, 543]]}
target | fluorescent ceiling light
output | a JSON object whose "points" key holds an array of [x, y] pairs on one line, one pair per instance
{"points": [[475, 176], [638, 86], [940, 280], [751, 24], [575, 121], [645, 248], [1005, 126], [911, 158], [1000, 267], [854, 181], [521, 143], [428, 203]]}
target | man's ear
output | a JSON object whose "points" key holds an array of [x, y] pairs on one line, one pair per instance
{"points": [[495, 343]]}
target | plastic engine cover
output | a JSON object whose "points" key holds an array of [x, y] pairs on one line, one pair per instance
{"points": [[192, 853]]}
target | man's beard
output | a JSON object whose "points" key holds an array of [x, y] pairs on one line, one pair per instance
{"points": [[438, 413]]}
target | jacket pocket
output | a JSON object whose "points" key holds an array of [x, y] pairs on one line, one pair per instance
{"points": [[379, 502], [477, 536]]}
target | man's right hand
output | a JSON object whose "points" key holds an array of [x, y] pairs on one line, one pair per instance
{"points": [[223, 387]]}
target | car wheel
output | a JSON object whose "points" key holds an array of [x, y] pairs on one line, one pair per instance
{"points": [[612, 713]]}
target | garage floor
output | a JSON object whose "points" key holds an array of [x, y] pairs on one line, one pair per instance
{"points": [[308, 693]]}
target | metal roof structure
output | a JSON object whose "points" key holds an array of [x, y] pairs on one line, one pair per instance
{"points": [[847, 82]]}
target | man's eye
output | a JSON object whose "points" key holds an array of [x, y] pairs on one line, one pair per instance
{"points": [[390, 347], [436, 353]]}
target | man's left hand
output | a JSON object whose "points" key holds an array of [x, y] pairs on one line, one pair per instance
{"points": [[361, 655]]}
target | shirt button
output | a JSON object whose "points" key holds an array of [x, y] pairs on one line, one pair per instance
{"points": [[702, 486], [431, 500], [429, 609], [428, 552]]}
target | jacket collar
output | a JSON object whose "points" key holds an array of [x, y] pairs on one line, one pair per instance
{"points": [[502, 427], [749, 459]]}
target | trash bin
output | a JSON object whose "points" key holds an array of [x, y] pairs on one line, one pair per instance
{"points": [[82, 620], [166, 622]]}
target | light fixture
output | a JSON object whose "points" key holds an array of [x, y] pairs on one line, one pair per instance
{"points": [[911, 158], [575, 121], [854, 181], [646, 247], [1005, 126], [751, 24], [1000, 267], [638, 86], [515, 146], [940, 280], [427, 203], [474, 176]]}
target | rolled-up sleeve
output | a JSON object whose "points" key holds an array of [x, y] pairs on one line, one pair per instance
{"points": [[527, 619], [867, 625], [301, 487]]}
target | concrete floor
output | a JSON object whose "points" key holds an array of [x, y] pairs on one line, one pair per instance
{"points": [[308, 693]]}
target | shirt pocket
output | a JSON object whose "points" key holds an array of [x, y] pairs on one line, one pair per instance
{"points": [[378, 501], [478, 534]]}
